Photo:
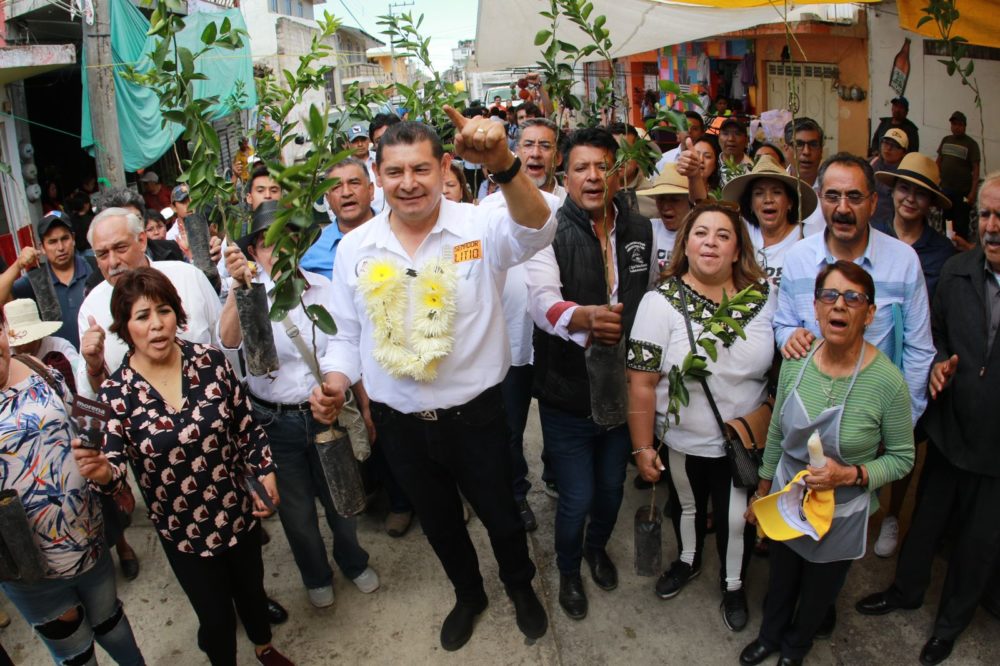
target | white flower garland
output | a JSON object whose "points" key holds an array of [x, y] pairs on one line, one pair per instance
{"points": [[414, 353]]}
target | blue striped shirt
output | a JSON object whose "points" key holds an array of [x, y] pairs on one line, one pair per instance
{"points": [[899, 283]]}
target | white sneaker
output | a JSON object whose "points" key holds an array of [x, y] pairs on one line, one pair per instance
{"points": [[367, 582], [321, 597], [888, 537]]}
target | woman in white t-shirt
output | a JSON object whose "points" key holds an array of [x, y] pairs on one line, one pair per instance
{"points": [[769, 201], [670, 193], [713, 257]]}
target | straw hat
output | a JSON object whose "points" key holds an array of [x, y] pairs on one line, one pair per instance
{"points": [[668, 182], [24, 323], [795, 511], [919, 170], [766, 167]]}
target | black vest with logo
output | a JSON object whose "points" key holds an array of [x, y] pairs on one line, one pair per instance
{"points": [[560, 378]]}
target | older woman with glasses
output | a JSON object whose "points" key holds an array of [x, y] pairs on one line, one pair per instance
{"points": [[854, 398], [713, 258]]}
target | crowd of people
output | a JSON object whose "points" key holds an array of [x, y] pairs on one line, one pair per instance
{"points": [[869, 328]]}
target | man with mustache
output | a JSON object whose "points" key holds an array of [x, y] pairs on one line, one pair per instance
{"points": [[848, 200], [960, 487]]}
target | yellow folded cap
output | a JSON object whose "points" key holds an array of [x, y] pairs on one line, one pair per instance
{"points": [[795, 511]]}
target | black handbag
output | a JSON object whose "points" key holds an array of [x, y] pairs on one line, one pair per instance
{"points": [[743, 464]]}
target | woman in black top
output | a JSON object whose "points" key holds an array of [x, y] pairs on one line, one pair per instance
{"points": [[185, 425]]}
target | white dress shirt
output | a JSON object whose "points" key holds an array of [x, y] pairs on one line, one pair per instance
{"points": [[198, 298], [294, 380], [480, 357], [546, 305], [378, 201]]}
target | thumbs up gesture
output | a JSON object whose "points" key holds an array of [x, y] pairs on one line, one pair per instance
{"points": [[92, 346], [481, 140], [941, 375], [688, 162]]}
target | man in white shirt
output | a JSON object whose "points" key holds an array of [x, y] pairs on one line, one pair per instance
{"points": [[416, 294], [281, 405], [119, 242], [538, 150], [603, 254]]}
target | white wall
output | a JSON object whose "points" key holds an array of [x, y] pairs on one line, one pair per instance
{"points": [[933, 95], [260, 25]]}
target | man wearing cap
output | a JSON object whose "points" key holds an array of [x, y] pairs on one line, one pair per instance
{"points": [[416, 297], [900, 109], [67, 269], [960, 484], [958, 160], [180, 203], [670, 194], [281, 405], [901, 326], [154, 193], [891, 150], [733, 140]]}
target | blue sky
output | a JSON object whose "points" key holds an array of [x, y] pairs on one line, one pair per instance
{"points": [[445, 21]]}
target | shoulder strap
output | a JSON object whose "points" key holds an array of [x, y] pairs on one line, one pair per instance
{"points": [[40, 370], [694, 350], [295, 335]]}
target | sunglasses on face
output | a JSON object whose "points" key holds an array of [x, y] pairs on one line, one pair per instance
{"points": [[853, 299]]}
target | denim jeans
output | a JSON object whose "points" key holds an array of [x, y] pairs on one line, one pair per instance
{"points": [[516, 388], [94, 595], [300, 483], [589, 463]]}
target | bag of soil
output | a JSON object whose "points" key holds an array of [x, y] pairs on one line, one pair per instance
{"points": [[648, 542], [20, 559], [343, 477], [45, 293], [608, 388], [255, 324]]}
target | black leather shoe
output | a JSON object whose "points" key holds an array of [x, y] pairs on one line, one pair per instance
{"points": [[527, 516], [755, 653], [530, 614], [602, 569], [572, 598], [457, 628], [880, 603], [788, 661], [935, 651], [276, 613], [130, 567], [825, 630]]}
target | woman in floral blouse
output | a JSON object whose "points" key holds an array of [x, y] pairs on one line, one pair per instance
{"points": [[76, 601], [185, 426]]}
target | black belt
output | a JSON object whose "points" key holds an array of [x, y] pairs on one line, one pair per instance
{"points": [[281, 406], [491, 396]]}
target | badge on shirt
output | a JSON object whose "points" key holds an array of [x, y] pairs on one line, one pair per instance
{"points": [[636, 261], [468, 251]]}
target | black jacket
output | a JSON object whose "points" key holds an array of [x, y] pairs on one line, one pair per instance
{"points": [[964, 422], [560, 377]]}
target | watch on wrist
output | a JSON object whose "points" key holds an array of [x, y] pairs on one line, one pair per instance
{"points": [[507, 175]]}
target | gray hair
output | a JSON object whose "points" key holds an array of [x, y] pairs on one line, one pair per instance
{"points": [[848, 160], [134, 223], [992, 180], [539, 122], [120, 197], [351, 161]]}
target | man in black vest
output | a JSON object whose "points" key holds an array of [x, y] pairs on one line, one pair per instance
{"points": [[585, 290]]}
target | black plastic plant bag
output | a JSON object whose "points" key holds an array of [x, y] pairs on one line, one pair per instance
{"points": [[648, 543], [608, 389], [340, 468], [258, 337]]}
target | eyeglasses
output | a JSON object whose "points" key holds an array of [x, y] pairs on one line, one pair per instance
{"points": [[853, 198], [853, 299], [807, 144], [544, 145]]}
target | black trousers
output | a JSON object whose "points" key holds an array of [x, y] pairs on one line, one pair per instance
{"points": [[799, 594], [467, 450], [214, 585], [951, 498]]}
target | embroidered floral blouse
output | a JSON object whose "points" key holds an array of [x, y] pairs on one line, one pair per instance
{"points": [[36, 461], [190, 464]]}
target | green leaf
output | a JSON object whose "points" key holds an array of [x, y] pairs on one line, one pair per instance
{"points": [[319, 316], [542, 36], [924, 20], [709, 346], [209, 34], [187, 61]]}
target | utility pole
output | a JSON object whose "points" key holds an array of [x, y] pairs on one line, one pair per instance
{"points": [[101, 88], [392, 44]]}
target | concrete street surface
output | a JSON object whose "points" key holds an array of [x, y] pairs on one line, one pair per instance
{"points": [[399, 623]]}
